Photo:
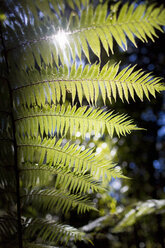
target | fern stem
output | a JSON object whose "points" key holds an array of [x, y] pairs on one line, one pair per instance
{"points": [[71, 80], [15, 147]]}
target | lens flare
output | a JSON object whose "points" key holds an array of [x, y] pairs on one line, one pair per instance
{"points": [[61, 38]]}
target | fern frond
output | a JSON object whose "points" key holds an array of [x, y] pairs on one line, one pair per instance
{"points": [[54, 199], [8, 225], [52, 153], [78, 4], [57, 6], [35, 175], [61, 119], [76, 182], [130, 22], [52, 231], [44, 7], [94, 26], [51, 85]]}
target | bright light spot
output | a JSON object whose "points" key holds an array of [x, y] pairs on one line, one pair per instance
{"points": [[93, 132], [113, 151], [97, 136], [98, 150], [124, 189], [116, 184], [64, 141], [141, 245], [49, 217], [78, 134], [117, 169], [77, 141], [119, 209], [91, 145], [104, 145], [114, 140], [61, 38], [38, 180], [87, 135], [82, 148]]}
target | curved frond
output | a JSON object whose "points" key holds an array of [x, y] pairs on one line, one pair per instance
{"points": [[52, 153], [53, 231], [32, 43], [35, 175], [61, 119], [54, 199], [51, 85], [130, 22]]}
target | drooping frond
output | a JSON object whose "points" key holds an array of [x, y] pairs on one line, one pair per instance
{"points": [[52, 153], [35, 175], [51, 231], [51, 85], [130, 22], [32, 43], [54, 199], [61, 119]]}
